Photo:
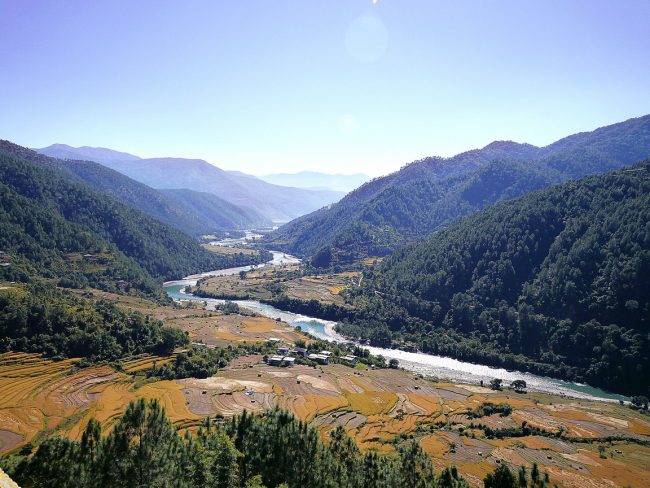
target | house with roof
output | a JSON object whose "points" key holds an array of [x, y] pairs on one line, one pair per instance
{"points": [[319, 358]]}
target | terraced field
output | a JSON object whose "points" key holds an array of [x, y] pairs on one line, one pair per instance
{"points": [[378, 408], [325, 289], [40, 397], [227, 250], [255, 285]]}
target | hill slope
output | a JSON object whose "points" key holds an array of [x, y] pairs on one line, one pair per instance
{"points": [[36, 241], [277, 203], [427, 195], [555, 281], [46, 212], [194, 213], [211, 212]]}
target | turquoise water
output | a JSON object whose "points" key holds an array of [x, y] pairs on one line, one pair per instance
{"points": [[174, 291]]}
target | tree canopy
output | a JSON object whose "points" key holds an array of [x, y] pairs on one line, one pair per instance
{"points": [[554, 282]]}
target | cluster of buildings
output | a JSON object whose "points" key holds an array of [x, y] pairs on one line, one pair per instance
{"points": [[286, 357], [284, 361]]}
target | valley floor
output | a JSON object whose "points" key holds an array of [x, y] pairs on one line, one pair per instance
{"points": [[579, 443]]}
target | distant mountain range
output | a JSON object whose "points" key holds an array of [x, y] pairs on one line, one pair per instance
{"points": [[54, 225], [275, 203], [431, 193], [318, 181], [86, 153], [193, 212]]}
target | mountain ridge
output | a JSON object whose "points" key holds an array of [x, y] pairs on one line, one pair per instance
{"points": [[195, 214], [276, 203], [423, 196]]}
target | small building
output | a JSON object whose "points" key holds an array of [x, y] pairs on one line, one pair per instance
{"points": [[349, 359], [274, 339], [299, 351], [326, 353], [319, 358], [288, 361], [283, 350], [276, 360]]}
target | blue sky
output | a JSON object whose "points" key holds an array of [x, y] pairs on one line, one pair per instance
{"points": [[329, 85]]}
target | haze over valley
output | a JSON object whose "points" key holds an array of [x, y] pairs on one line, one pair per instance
{"points": [[342, 244], [276, 203]]}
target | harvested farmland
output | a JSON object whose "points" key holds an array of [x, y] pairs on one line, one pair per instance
{"points": [[378, 408]]}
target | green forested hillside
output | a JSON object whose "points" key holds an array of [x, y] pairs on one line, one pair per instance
{"points": [[428, 195], [40, 318], [36, 241], [56, 217], [556, 282], [192, 212], [57, 231], [212, 212]]}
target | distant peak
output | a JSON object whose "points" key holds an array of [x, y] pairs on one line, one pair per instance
{"points": [[58, 146], [505, 145]]}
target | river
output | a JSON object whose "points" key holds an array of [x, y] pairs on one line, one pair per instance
{"points": [[425, 364]]}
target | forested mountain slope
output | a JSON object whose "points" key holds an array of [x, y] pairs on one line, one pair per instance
{"points": [[278, 203], [37, 241], [555, 281], [427, 195], [195, 213], [47, 215], [213, 212]]}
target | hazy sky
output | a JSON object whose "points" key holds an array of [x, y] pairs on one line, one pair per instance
{"points": [[329, 85]]}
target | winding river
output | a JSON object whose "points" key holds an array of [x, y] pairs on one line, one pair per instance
{"points": [[425, 364]]}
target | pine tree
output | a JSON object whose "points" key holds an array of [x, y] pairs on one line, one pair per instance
{"points": [[500, 478], [225, 466], [346, 453], [415, 466], [143, 450]]}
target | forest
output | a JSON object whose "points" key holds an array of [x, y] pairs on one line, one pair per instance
{"points": [[554, 282], [249, 451], [56, 323], [60, 230], [427, 195], [163, 252]]}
